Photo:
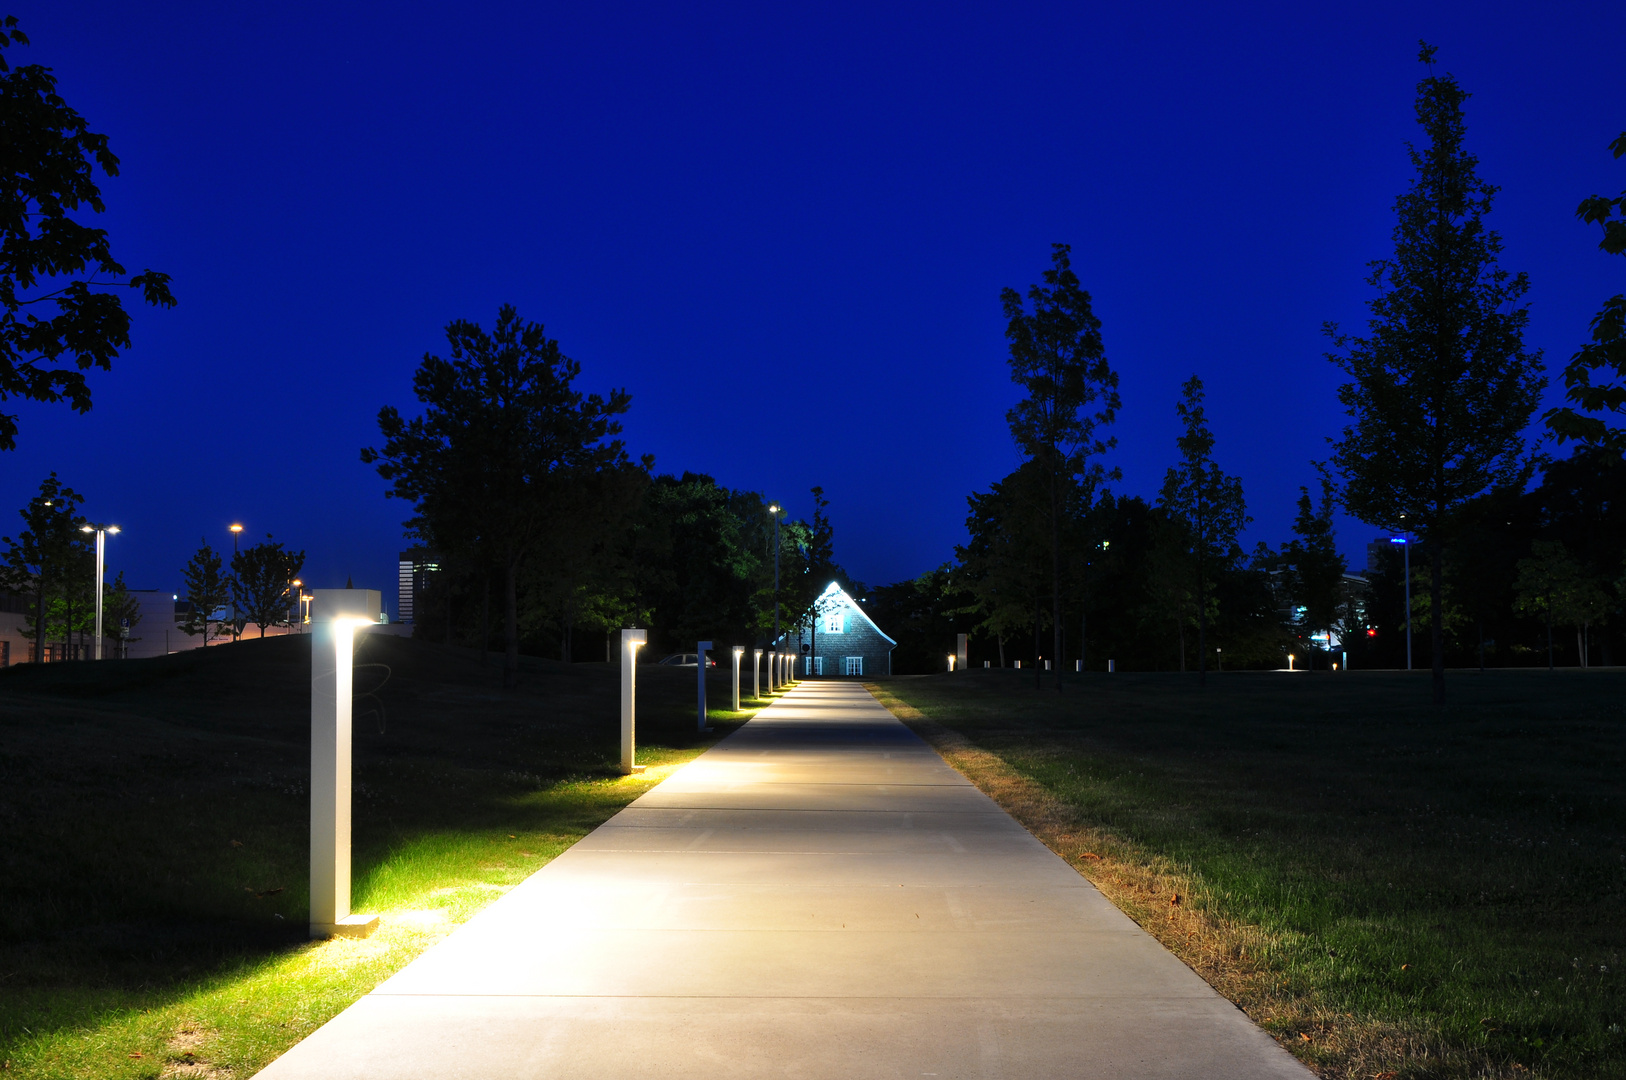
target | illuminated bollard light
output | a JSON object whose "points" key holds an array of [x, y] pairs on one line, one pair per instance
{"points": [[773, 659], [756, 674], [951, 662], [335, 614], [1078, 665], [739, 654], [631, 642], [1019, 665], [1112, 665]]}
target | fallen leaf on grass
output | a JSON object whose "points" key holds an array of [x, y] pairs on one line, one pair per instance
{"points": [[1089, 855], [137, 1053], [1174, 901], [511, 836], [1405, 967], [1390, 1075], [1304, 1035]]}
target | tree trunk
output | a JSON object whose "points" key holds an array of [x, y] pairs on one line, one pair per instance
{"points": [[1202, 625], [1038, 642], [1055, 567], [39, 619], [1436, 633], [1001, 650], [1549, 632], [485, 617], [510, 666]]}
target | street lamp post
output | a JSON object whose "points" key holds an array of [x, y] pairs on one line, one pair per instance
{"points": [[101, 532], [236, 531], [773, 508]]}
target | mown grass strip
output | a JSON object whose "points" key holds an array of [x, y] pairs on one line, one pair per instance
{"points": [[1334, 872]]}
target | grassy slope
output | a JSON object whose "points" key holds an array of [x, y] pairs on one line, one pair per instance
{"points": [[1393, 890], [153, 832]]}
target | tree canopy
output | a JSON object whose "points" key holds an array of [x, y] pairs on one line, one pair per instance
{"points": [[1441, 387], [49, 259]]}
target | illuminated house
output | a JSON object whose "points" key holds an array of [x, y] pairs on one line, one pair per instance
{"points": [[840, 639]]}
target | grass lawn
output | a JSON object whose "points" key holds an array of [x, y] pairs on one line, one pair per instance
{"points": [[154, 823], [1392, 890]]}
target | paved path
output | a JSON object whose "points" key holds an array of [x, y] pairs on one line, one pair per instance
{"points": [[818, 896]]}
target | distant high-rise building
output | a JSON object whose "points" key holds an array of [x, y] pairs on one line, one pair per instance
{"points": [[416, 566]]}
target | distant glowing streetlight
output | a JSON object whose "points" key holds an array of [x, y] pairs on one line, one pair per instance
{"points": [[773, 508], [101, 532], [236, 531], [951, 661], [1289, 661], [297, 588], [1405, 541]]}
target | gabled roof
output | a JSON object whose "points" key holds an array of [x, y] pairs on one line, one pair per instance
{"points": [[836, 594]]}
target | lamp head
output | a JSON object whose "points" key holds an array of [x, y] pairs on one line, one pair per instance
{"points": [[86, 528], [236, 528], [773, 508], [112, 528]]}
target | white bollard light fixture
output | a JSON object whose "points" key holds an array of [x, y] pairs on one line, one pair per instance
{"points": [[701, 648], [951, 662], [1112, 666], [1078, 665], [773, 658], [962, 645], [335, 613], [631, 642], [756, 674], [739, 655]]}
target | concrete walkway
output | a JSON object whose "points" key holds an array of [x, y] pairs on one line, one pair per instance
{"points": [[817, 896]]}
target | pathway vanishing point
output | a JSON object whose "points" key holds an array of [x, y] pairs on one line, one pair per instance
{"points": [[818, 896]]}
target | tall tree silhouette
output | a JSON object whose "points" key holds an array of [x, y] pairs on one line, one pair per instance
{"points": [[1441, 388], [1057, 357]]}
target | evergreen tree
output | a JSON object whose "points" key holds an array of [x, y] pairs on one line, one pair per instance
{"points": [[1312, 560], [42, 561], [1057, 357], [208, 589], [1442, 387], [1207, 505]]}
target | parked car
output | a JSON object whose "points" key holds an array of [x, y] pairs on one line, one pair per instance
{"points": [[685, 659]]}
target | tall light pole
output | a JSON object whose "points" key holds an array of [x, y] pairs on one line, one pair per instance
{"points": [[236, 531], [101, 532], [773, 508], [1405, 540]]}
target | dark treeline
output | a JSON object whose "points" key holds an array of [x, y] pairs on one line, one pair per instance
{"points": [[547, 536]]}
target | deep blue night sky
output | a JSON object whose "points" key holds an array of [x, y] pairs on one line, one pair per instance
{"points": [[783, 230]]}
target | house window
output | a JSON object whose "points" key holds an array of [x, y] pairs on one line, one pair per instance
{"points": [[852, 665], [833, 621], [815, 665]]}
